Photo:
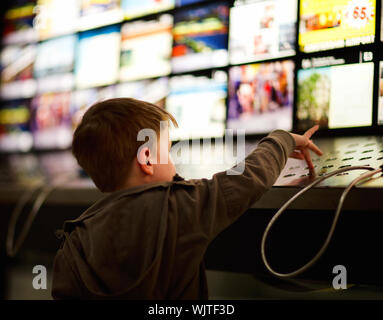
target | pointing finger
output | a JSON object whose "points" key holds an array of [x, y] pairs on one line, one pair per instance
{"points": [[307, 157], [314, 148], [311, 131]]}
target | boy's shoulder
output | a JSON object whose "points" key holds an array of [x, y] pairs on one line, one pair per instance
{"points": [[133, 199]]}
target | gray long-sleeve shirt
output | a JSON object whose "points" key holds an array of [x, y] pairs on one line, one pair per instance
{"points": [[148, 242]]}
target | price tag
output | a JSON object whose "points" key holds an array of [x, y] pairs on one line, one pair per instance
{"points": [[359, 13]]}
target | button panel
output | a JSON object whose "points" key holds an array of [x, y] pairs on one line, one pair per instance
{"points": [[339, 153]]}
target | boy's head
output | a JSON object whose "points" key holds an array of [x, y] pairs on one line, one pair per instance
{"points": [[105, 144]]}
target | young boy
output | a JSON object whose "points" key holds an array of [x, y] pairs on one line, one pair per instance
{"points": [[148, 237]]}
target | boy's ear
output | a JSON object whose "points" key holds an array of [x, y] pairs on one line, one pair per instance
{"points": [[144, 162]]}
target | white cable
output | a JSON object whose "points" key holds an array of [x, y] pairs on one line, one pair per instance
{"points": [[330, 234], [12, 246], [21, 203]]}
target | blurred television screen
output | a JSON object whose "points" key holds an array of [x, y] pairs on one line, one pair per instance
{"points": [[381, 24], [55, 56], [97, 59], [261, 30], [98, 13], [153, 91], [60, 57], [14, 126], [380, 97], [17, 71], [54, 64], [137, 8], [198, 105], [82, 100], [180, 3], [330, 24], [261, 97], [19, 22], [146, 48], [338, 96], [51, 121], [56, 17], [200, 37]]}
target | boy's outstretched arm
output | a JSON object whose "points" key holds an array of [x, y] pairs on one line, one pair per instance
{"points": [[211, 205]]}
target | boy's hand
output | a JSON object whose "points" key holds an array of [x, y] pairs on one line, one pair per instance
{"points": [[303, 144]]}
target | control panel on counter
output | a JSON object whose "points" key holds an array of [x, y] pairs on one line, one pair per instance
{"points": [[340, 152]]}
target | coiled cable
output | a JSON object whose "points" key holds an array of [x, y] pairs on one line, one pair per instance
{"points": [[366, 175]]}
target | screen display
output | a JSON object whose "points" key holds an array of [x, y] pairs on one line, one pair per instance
{"points": [[380, 99], [146, 48], [329, 24], [18, 23], [135, 8], [81, 100], [381, 24], [198, 105], [17, 71], [200, 38], [14, 126], [261, 97], [337, 96], [181, 3], [261, 30], [98, 13], [54, 64], [51, 122], [97, 60], [56, 17], [213, 64], [153, 91], [55, 56]]}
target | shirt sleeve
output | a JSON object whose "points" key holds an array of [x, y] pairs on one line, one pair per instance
{"points": [[214, 204]]}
